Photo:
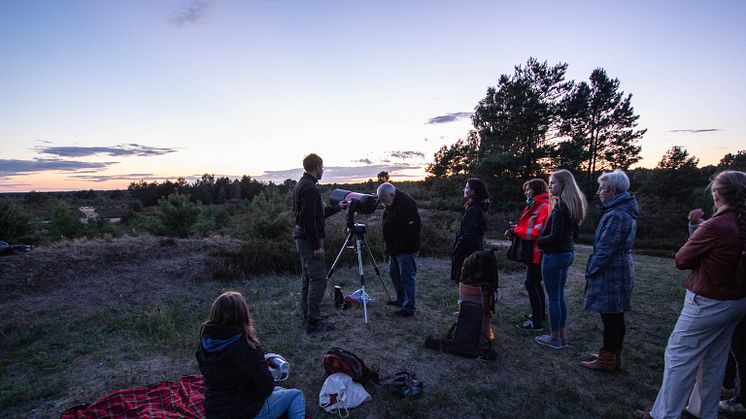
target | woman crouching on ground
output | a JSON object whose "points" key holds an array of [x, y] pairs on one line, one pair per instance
{"points": [[715, 302], [610, 274], [237, 377], [531, 224], [557, 241]]}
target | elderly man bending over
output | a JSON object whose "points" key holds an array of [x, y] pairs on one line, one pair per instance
{"points": [[401, 232]]}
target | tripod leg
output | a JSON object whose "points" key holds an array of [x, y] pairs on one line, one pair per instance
{"points": [[339, 255], [375, 267], [359, 248]]}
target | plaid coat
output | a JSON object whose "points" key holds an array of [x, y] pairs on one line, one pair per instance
{"points": [[610, 274]]}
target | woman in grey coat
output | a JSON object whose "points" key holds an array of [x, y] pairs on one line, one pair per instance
{"points": [[610, 274]]}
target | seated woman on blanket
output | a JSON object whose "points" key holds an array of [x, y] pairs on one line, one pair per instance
{"points": [[237, 377]]}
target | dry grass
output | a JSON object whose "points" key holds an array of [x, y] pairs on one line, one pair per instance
{"points": [[81, 319]]}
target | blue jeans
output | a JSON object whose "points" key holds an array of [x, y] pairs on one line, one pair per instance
{"points": [[403, 272], [283, 400], [554, 268]]}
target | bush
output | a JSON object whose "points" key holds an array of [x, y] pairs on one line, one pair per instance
{"points": [[439, 231], [16, 225], [65, 223], [175, 216], [257, 257], [100, 227], [267, 216]]}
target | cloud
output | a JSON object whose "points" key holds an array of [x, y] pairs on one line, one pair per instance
{"points": [[696, 131], [364, 161], [10, 167], [194, 11], [344, 174], [449, 117], [404, 155], [134, 177], [122, 150]]}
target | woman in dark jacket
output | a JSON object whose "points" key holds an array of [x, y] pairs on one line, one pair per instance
{"points": [[470, 236], [715, 302], [610, 274], [557, 241], [237, 376]]}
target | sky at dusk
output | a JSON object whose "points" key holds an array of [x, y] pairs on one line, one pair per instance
{"points": [[97, 94]]}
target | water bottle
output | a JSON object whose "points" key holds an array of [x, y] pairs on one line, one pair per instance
{"points": [[338, 297], [278, 367]]}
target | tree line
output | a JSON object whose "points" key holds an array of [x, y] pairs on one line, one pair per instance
{"points": [[535, 121]]}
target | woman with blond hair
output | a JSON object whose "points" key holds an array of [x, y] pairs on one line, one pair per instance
{"points": [[715, 302], [237, 376], [557, 242]]}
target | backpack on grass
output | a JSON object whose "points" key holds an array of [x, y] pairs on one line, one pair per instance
{"points": [[472, 334], [341, 360]]}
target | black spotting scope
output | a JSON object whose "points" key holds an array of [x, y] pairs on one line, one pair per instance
{"points": [[358, 202]]}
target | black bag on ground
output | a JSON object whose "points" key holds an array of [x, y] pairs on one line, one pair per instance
{"points": [[464, 337], [521, 250], [472, 334]]}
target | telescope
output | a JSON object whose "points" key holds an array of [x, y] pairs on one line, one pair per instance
{"points": [[359, 202]]}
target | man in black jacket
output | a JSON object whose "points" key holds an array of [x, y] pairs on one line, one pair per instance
{"points": [[401, 232], [310, 214]]}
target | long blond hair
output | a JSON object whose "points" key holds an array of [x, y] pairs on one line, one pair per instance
{"points": [[571, 195], [231, 309]]}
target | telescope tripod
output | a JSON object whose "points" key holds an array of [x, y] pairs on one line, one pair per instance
{"points": [[358, 230]]}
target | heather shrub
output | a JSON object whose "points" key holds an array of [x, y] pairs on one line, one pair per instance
{"points": [[16, 225], [175, 216]]}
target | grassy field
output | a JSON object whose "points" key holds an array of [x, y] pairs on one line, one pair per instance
{"points": [[81, 319]]}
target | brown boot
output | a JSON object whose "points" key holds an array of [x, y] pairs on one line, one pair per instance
{"points": [[619, 365], [606, 361]]}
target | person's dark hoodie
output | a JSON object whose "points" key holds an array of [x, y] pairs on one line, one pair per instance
{"points": [[470, 237], [236, 375]]}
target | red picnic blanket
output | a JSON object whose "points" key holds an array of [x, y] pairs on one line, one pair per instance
{"points": [[182, 398]]}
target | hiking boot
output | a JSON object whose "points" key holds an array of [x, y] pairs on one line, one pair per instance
{"points": [[606, 361], [403, 313], [319, 326], [529, 325], [547, 340], [732, 407]]}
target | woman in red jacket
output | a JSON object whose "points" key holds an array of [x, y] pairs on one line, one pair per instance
{"points": [[715, 301], [529, 227]]}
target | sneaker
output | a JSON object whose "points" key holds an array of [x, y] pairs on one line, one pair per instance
{"points": [[403, 313], [528, 317], [319, 326], [732, 407], [547, 340], [529, 325]]}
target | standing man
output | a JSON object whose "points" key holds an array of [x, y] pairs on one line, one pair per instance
{"points": [[310, 214], [401, 232]]}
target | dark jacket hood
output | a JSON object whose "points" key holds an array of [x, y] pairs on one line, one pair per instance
{"points": [[218, 342], [623, 202]]}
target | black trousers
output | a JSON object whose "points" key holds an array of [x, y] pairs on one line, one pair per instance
{"points": [[614, 329], [535, 293]]}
